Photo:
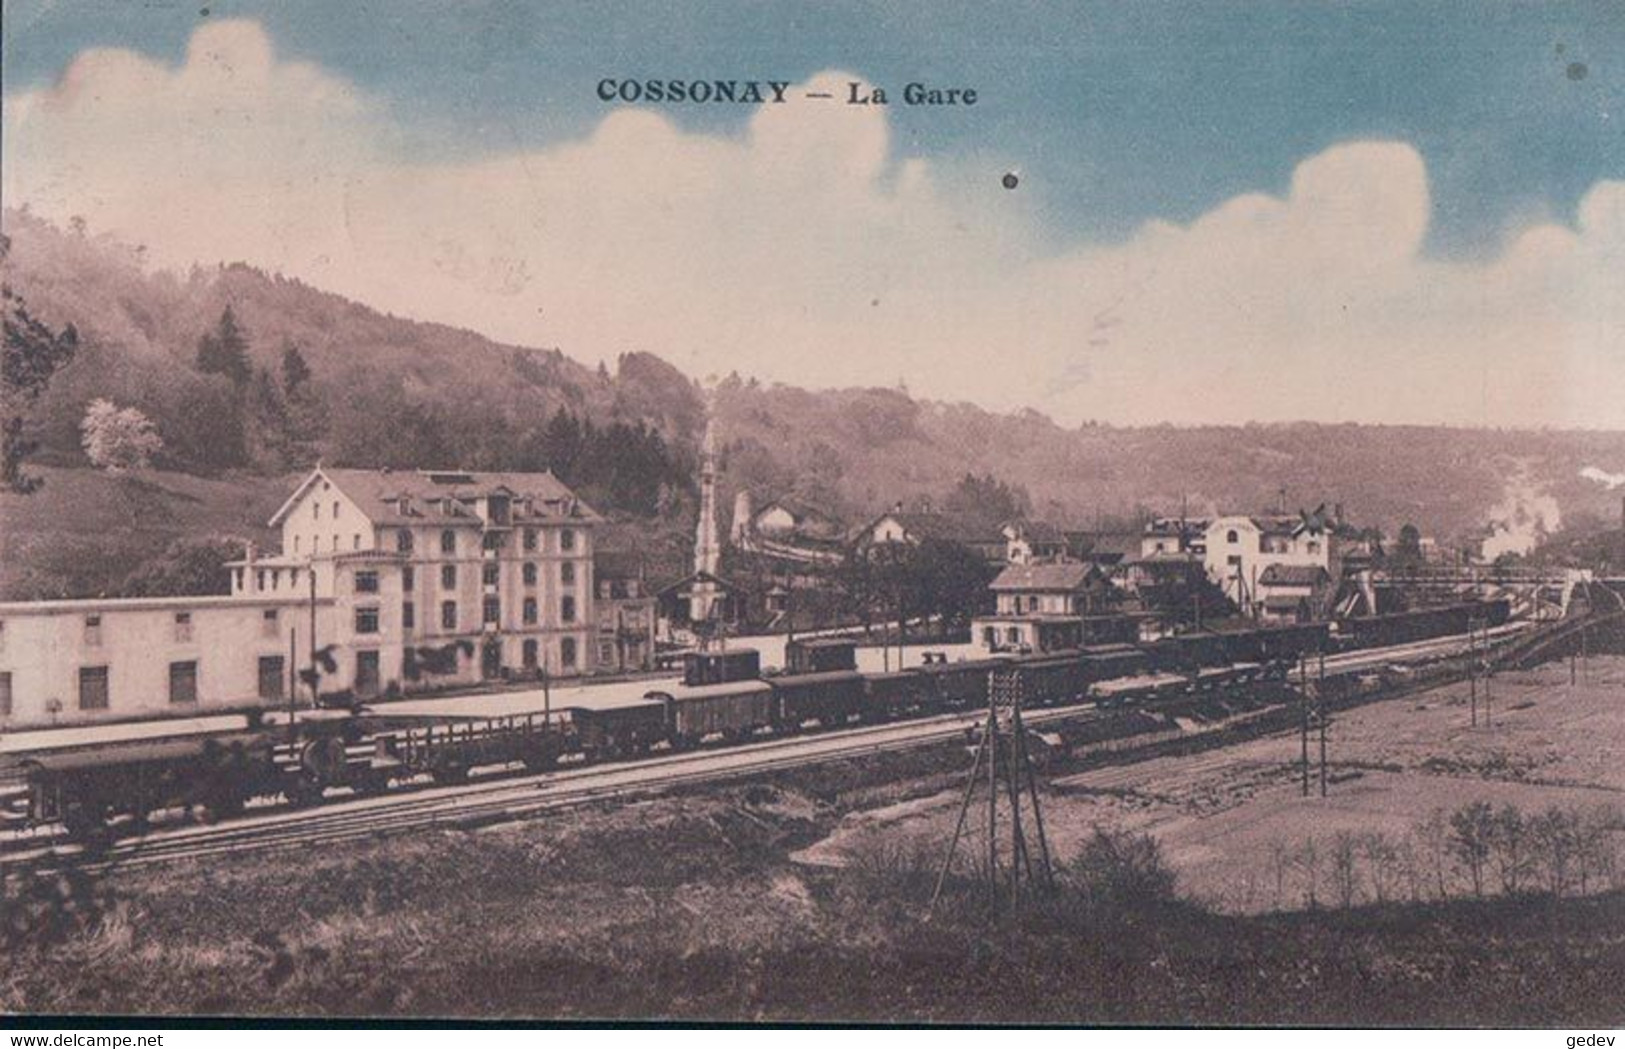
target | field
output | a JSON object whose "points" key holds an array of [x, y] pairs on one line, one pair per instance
{"points": [[1230, 820], [801, 896]]}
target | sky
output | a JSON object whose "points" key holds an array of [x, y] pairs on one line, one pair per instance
{"points": [[1222, 211]]}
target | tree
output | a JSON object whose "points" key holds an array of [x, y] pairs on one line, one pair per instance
{"points": [[988, 497], [1472, 829], [188, 566], [295, 372], [118, 439], [224, 350], [31, 354]]}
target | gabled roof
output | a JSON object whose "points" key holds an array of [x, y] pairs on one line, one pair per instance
{"points": [[952, 528], [1109, 546], [1066, 576], [379, 494], [1036, 531], [1292, 575]]}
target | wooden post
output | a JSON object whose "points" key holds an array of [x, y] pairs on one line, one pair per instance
{"points": [[1303, 702]]}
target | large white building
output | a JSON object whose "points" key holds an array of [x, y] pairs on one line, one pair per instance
{"points": [[386, 581], [1240, 550]]}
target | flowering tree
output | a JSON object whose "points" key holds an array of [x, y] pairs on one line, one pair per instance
{"points": [[118, 439]]}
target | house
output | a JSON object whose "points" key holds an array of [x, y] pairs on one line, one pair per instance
{"points": [[1107, 548], [625, 611], [1298, 593], [787, 528], [1173, 535], [899, 527], [386, 581], [1032, 542], [1044, 607], [1241, 548]]}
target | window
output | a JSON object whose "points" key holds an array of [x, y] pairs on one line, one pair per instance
{"points": [[259, 579], [268, 623], [1013, 635], [335, 509], [530, 573], [355, 541], [183, 626], [448, 615], [409, 578], [1231, 536], [567, 573], [366, 673], [527, 653], [448, 577], [5, 693], [567, 539], [448, 542], [489, 574], [989, 636], [493, 610], [403, 540], [567, 652], [491, 541], [567, 609], [335, 542], [1234, 560], [315, 511], [183, 682], [271, 677], [366, 620], [295, 550], [530, 539], [366, 582], [1314, 546], [93, 688], [409, 616], [93, 630], [530, 610]]}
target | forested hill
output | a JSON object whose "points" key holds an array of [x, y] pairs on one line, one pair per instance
{"points": [[383, 390]]}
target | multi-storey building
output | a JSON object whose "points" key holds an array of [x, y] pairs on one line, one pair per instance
{"points": [[1241, 549], [387, 581]]}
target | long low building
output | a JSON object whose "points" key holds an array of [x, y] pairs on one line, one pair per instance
{"points": [[387, 582]]}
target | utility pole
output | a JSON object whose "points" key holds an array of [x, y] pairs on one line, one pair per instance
{"points": [[1003, 747], [1320, 709], [315, 677], [1303, 695], [1472, 670]]}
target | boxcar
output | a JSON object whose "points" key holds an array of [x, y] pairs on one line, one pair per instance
{"points": [[733, 710], [1104, 662], [832, 698], [952, 686], [893, 695], [1057, 677], [619, 731]]}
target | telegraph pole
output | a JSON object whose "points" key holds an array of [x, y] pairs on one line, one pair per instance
{"points": [[1303, 700], [1320, 708]]}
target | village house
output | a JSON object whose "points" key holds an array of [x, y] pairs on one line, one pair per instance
{"points": [[1241, 548], [911, 528], [1045, 607], [625, 612], [1033, 542]]}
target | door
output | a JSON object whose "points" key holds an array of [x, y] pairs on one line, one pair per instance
{"points": [[491, 659]]}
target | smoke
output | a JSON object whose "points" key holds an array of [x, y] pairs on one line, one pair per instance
{"points": [[1602, 477], [1524, 516]]}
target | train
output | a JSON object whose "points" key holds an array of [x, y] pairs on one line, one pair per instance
{"points": [[91, 780]]}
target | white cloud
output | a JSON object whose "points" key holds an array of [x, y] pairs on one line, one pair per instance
{"points": [[807, 250]]}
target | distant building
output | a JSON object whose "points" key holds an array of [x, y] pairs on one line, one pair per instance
{"points": [[788, 528], [625, 611], [1241, 548], [396, 580], [1044, 607], [1033, 542], [1174, 535], [1293, 592], [913, 528]]}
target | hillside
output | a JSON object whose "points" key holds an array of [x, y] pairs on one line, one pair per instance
{"points": [[387, 391]]}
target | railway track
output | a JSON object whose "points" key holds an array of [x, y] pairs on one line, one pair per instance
{"points": [[503, 798]]}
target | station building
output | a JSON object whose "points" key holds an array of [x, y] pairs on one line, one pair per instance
{"points": [[387, 581]]}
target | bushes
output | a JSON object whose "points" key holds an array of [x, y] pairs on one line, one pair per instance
{"points": [[1120, 869], [1474, 850]]}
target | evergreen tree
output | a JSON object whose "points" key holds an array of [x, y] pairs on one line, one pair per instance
{"points": [[295, 372], [29, 356], [224, 350]]}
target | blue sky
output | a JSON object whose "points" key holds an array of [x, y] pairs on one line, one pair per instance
{"points": [[1114, 112], [1227, 211]]}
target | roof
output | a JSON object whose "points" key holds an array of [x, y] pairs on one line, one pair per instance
{"points": [[1292, 575], [1176, 526], [1106, 545], [1037, 531], [953, 528], [379, 494], [1064, 576]]}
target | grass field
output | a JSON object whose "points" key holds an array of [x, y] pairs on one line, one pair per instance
{"points": [[85, 530]]}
